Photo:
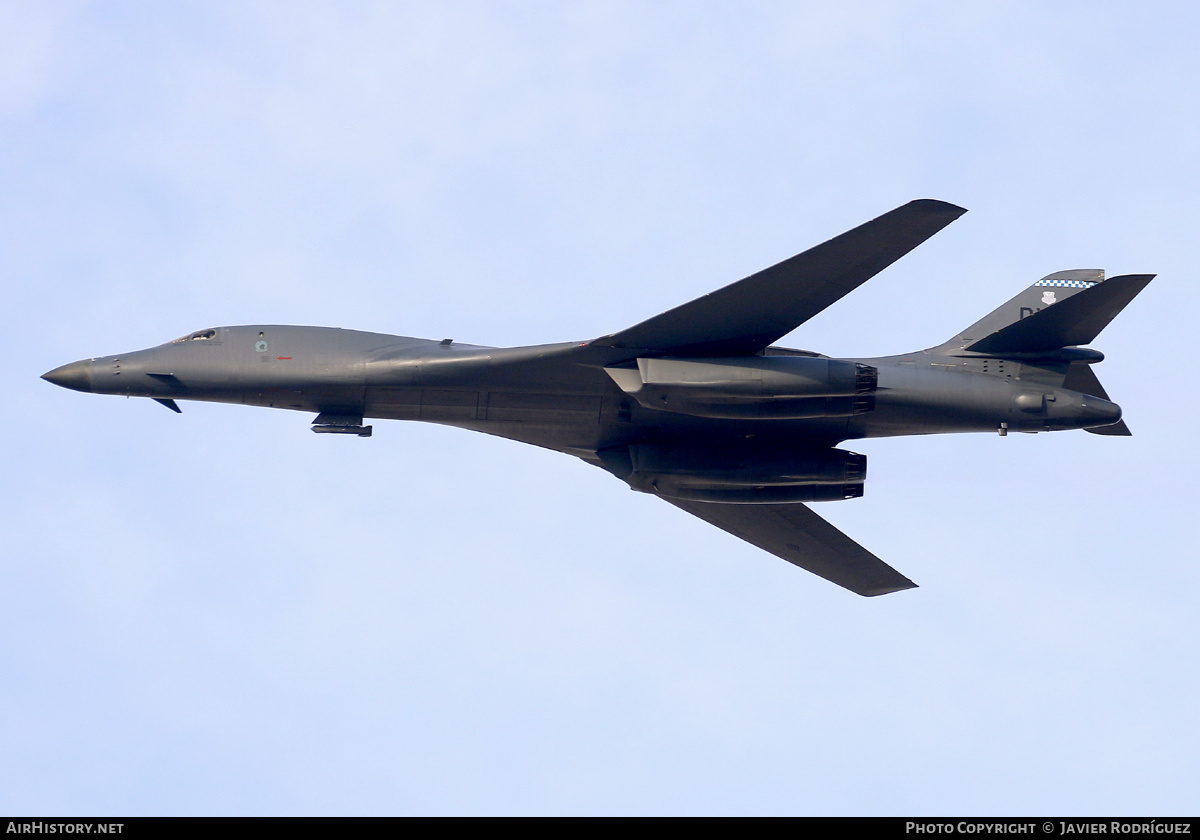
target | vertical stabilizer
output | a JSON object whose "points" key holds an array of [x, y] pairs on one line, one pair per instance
{"points": [[1051, 289], [1067, 309]]}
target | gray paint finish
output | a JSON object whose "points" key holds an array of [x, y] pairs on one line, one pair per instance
{"points": [[695, 405]]}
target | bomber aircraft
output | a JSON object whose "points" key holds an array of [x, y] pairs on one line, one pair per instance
{"points": [[697, 405]]}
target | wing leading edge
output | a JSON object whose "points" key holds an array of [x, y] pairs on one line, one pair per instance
{"points": [[796, 534], [744, 317]]}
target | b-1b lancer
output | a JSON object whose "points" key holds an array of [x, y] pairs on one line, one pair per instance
{"points": [[697, 405]]}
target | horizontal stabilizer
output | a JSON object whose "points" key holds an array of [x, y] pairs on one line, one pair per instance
{"points": [[1081, 378], [744, 317], [1074, 321], [1118, 429], [801, 537]]}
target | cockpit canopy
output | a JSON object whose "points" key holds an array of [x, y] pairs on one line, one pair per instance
{"points": [[198, 335]]}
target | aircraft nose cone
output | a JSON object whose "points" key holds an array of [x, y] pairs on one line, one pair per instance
{"points": [[77, 376]]}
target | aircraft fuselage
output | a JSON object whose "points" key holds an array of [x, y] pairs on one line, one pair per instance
{"points": [[560, 396]]}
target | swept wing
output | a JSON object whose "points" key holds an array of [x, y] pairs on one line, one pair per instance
{"points": [[801, 537], [744, 317]]}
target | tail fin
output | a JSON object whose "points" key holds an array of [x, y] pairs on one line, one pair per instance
{"points": [[1064, 309]]}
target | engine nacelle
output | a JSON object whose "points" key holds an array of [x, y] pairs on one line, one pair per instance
{"points": [[762, 387], [744, 473]]}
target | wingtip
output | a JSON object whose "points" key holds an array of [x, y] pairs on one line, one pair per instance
{"points": [[888, 590], [933, 205]]}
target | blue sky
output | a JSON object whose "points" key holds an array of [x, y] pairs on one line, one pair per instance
{"points": [[222, 613]]}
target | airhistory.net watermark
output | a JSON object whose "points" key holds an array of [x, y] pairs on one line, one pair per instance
{"points": [[41, 827]]}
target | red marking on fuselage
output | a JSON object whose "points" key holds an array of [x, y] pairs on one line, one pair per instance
{"points": [[283, 358]]}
